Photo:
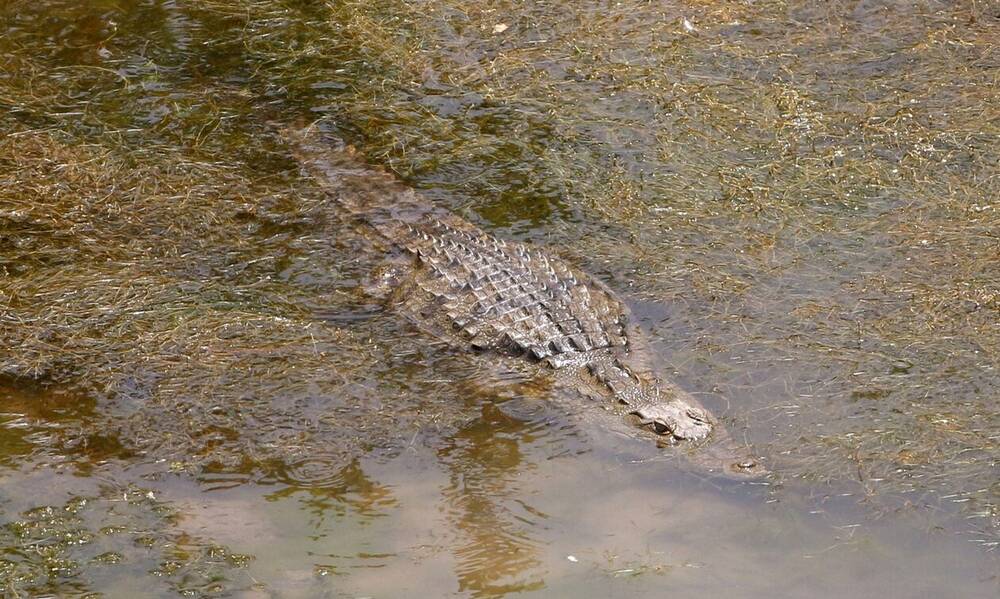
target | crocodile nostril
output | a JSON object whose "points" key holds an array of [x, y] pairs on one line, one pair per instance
{"points": [[698, 415]]}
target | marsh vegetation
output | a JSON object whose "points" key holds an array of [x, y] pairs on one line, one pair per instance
{"points": [[799, 201]]}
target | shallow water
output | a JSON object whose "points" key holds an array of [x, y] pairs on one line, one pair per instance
{"points": [[796, 199]]}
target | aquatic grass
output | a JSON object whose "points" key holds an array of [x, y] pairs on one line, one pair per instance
{"points": [[800, 198], [186, 298]]}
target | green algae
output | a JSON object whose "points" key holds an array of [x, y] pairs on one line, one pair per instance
{"points": [[61, 549]]}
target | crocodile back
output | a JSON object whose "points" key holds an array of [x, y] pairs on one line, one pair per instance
{"points": [[469, 286], [507, 297]]}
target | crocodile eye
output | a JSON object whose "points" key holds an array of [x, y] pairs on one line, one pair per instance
{"points": [[659, 427]]}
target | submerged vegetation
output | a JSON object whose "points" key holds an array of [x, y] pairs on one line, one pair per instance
{"points": [[47, 547], [800, 199]]}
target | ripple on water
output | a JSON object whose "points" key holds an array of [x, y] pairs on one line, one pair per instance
{"points": [[320, 471], [331, 485]]}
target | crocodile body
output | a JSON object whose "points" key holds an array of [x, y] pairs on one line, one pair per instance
{"points": [[512, 301]]}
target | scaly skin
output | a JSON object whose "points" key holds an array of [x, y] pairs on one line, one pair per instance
{"points": [[511, 300]]}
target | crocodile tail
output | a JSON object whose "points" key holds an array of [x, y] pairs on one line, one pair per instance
{"points": [[337, 166], [360, 187]]}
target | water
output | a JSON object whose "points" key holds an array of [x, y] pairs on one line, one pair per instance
{"points": [[797, 200]]}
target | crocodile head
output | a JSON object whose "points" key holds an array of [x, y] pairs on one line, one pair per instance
{"points": [[675, 416], [681, 418]]}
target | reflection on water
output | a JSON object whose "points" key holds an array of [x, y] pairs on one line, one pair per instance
{"points": [[797, 198], [52, 427], [322, 484], [495, 548]]}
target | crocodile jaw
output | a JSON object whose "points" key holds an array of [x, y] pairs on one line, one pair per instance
{"points": [[724, 457]]}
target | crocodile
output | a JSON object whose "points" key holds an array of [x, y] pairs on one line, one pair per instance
{"points": [[510, 300]]}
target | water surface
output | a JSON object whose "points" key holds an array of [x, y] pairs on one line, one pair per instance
{"points": [[798, 201]]}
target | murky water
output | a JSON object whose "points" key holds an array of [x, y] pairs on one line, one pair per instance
{"points": [[797, 199]]}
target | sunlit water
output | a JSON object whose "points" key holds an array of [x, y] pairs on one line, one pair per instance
{"points": [[797, 200]]}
